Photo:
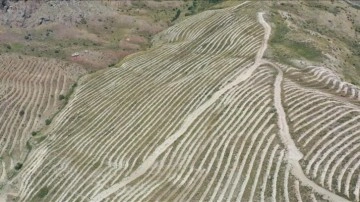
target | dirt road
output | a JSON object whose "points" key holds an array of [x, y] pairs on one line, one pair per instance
{"points": [[293, 152]]}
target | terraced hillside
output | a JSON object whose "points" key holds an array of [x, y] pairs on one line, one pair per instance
{"points": [[324, 115], [29, 95], [201, 116]]}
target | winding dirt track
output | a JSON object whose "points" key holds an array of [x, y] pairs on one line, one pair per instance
{"points": [[147, 163], [293, 153]]}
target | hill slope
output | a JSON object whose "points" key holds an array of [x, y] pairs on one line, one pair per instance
{"points": [[201, 116], [29, 96]]}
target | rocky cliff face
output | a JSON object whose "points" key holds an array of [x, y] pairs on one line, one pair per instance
{"points": [[14, 13], [4, 4]]}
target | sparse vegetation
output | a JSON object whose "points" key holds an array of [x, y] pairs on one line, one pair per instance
{"points": [[305, 50], [215, 1], [287, 48], [43, 192], [334, 10], [279, 34]]}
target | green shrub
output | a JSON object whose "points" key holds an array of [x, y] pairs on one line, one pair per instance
{"points": [[178, 12], [21, 113], [61, 97], [18, 166], [47, 121], [28, 146]]}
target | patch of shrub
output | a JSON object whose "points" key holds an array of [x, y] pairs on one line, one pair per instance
{"points": [[40, 139], [178, 12], [43, 192], [215, 1], [18, 166], [280, 33], [28, 146], [297, 48], [61, 97], [357, 29], [194, 7], [334, 10], [83, 21], [305, 50], [21, 113], [47, 121]]}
